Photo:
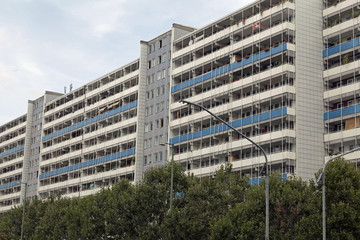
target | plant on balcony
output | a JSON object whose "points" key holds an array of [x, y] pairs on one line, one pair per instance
{"points": [[238, 59], [247, 56], [233, 22], [266, 49], [243, 20], [346, 59]]}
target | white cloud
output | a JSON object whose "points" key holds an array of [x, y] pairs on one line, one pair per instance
{"points": [[86, 39], [100, 17]]}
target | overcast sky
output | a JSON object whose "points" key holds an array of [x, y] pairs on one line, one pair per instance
{"points": [[49, 44]]}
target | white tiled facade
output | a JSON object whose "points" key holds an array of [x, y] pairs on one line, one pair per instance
{"points": [[284, 73]]}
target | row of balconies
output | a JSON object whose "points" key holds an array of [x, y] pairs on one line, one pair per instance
{"points": [[243, 55], [103, 152], [98, 84], [112, 127], [246, 166], [12, 135], [127, 111], [241, 95], [6, 128], [342, 16], [90, 187], [238, 107], [89, 112], [245, 17], [238, 36]]}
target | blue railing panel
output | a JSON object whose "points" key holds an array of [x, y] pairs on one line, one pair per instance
{"points": [[341, 47], [89, 121], [235, 124], [13, 150], [233, 66], [88, 163]]}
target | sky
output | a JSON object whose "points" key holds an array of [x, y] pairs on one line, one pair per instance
{"points": [[48, 44]]}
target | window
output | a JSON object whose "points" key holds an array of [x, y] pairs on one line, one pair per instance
{"points": [[163, 57], [156, 141], [146, 111], [163, 73], [162, 89], [161, 138], [150, 126], [158, 76], [149, 158], [151, 110], [153, 62], [157, 124], [152, 93], [157, 108], [145, 160], [160, 43], [146, 127], [158, 92], [149, 64], [145, 144], [160, 156], [159, 60], [161, 122], [162, 105], [148, 80], [150, 143], [147, 95], [152, 78], [155, 157]]}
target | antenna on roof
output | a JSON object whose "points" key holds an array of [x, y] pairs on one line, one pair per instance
{"points": [[65, 90], [71, 87]]}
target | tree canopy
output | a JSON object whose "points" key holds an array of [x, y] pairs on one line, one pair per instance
{"points": [[223, 206]]}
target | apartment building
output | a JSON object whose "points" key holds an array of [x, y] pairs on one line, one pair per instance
{"points": [[110, 128], [284, 73], [260, 69], [19, 154], [342, 77], [89, 135]]}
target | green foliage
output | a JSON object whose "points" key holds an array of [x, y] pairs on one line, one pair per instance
{"points": [[223, 206]]}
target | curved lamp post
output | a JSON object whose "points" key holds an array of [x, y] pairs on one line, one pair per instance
{"points": [[172, 172], [266, 163], [322, 179]]}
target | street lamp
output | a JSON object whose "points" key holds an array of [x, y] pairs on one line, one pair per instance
{"points": [[23, 214], [322, 179], [172, 172], [266, 163]]}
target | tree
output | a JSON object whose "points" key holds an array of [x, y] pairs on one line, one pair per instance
{"points": [[288, 201], [205, 200], [342, 200]]}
